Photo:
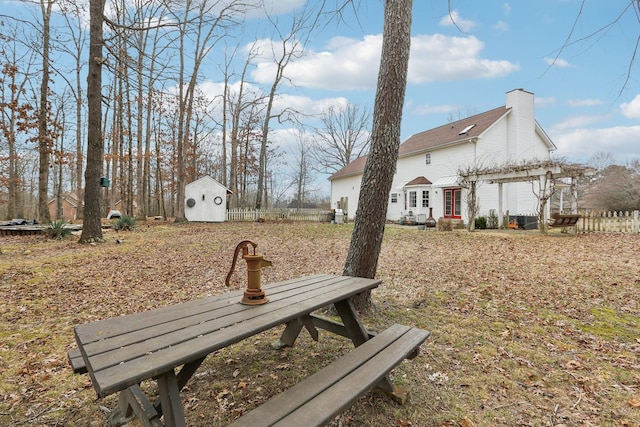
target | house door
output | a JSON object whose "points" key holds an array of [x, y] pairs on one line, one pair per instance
{"points": [[453, 203]]}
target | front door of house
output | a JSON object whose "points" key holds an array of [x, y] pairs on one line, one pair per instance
{"points": [[453, 203]]}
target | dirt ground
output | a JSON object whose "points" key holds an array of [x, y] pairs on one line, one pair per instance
{"points": [[527, 329]]}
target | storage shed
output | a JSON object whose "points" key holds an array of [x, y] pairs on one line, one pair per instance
{"points": [[205, 200]]}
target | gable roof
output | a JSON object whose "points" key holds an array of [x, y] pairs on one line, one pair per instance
{"points": [[442, 136], [70, 198], [210, 181], [451, 133], [421, 180], [354, 168]]}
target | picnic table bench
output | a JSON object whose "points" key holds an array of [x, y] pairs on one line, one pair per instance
{"points": [[168, 344]]}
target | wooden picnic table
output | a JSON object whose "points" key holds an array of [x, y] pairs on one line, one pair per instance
{"points": [[168, 344]]}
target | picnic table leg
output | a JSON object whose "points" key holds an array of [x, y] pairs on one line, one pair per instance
{"points": [[289, 335], [170, 400], [358, 334], [183, 377], [293, 329], [132, 403]]}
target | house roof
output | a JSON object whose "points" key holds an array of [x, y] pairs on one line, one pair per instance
{"points": [[442, 136], [354, 168], [451, 133], [421, 180], [70, 198]]}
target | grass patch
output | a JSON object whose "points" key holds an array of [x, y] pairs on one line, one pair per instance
{"points": [[611, 324]]}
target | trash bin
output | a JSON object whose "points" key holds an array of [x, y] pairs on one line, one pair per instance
{"points": [[339, 216]]}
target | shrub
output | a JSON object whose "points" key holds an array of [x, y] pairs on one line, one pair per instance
{"points": [[125, 222], [445, 224], [58, 229], [481, 223]]}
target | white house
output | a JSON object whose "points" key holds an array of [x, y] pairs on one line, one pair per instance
{"points": [[428, 164], [205, 200]]}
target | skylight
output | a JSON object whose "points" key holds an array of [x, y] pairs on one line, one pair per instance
{"points": [[466, 130]]}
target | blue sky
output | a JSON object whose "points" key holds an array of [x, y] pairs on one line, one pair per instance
{"points": [[573, 55], [583, 98]]}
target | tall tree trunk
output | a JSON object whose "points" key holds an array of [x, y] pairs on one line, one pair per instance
{"points": [[366, 241], [92, 228], [79, 145], [44, 139]]}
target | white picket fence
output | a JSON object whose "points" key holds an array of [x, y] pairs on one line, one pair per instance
{"points": [[611, 221], [311, 215]]}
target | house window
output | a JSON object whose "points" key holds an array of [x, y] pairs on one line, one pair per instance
{"points": [[425, 198], [413, 199], [394, 197], [453, 203], [427, 159]]}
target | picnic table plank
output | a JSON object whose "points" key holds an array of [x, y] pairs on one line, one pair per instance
{"points": [[123, 331], [107, 328], [317, 399], [114, 367]]}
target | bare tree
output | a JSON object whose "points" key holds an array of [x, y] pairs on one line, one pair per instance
{"points": [[617, 188], [206, 21], [601, 160], [44, 137], [239, 104], [366, 242], [16, 113], [343, 137], [75, 47], [92, 227], [632, 6], [291, 45], [301, 170]]}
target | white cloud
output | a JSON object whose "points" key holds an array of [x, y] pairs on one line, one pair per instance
{"points": [[306, 105], [352, 64], [557, 62], [261, 8], [506, 7], [631, 109], [454, 19], [347, 64], [573, 123], [584, 102], [296, 104], [544, 101], [501, 26], [274, 7], [583, 143], [442, 58], [424, 109]]}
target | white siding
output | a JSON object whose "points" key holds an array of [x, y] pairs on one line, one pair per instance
{"points": [[512, 139], [210, 198], [348, 187]]}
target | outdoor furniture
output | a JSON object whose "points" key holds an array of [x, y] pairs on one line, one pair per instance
{"points": [[564, 220], [168, 345]]}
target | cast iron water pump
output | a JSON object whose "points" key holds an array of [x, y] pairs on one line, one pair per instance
{"points": [[254, 294]]}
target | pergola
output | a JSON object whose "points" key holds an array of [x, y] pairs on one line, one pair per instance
{"points": [[547, 173]]}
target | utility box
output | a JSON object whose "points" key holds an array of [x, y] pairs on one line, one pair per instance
{"points": [[339, 216]]}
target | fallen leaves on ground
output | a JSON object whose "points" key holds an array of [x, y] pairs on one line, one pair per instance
{"points": [[527, 329]]}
